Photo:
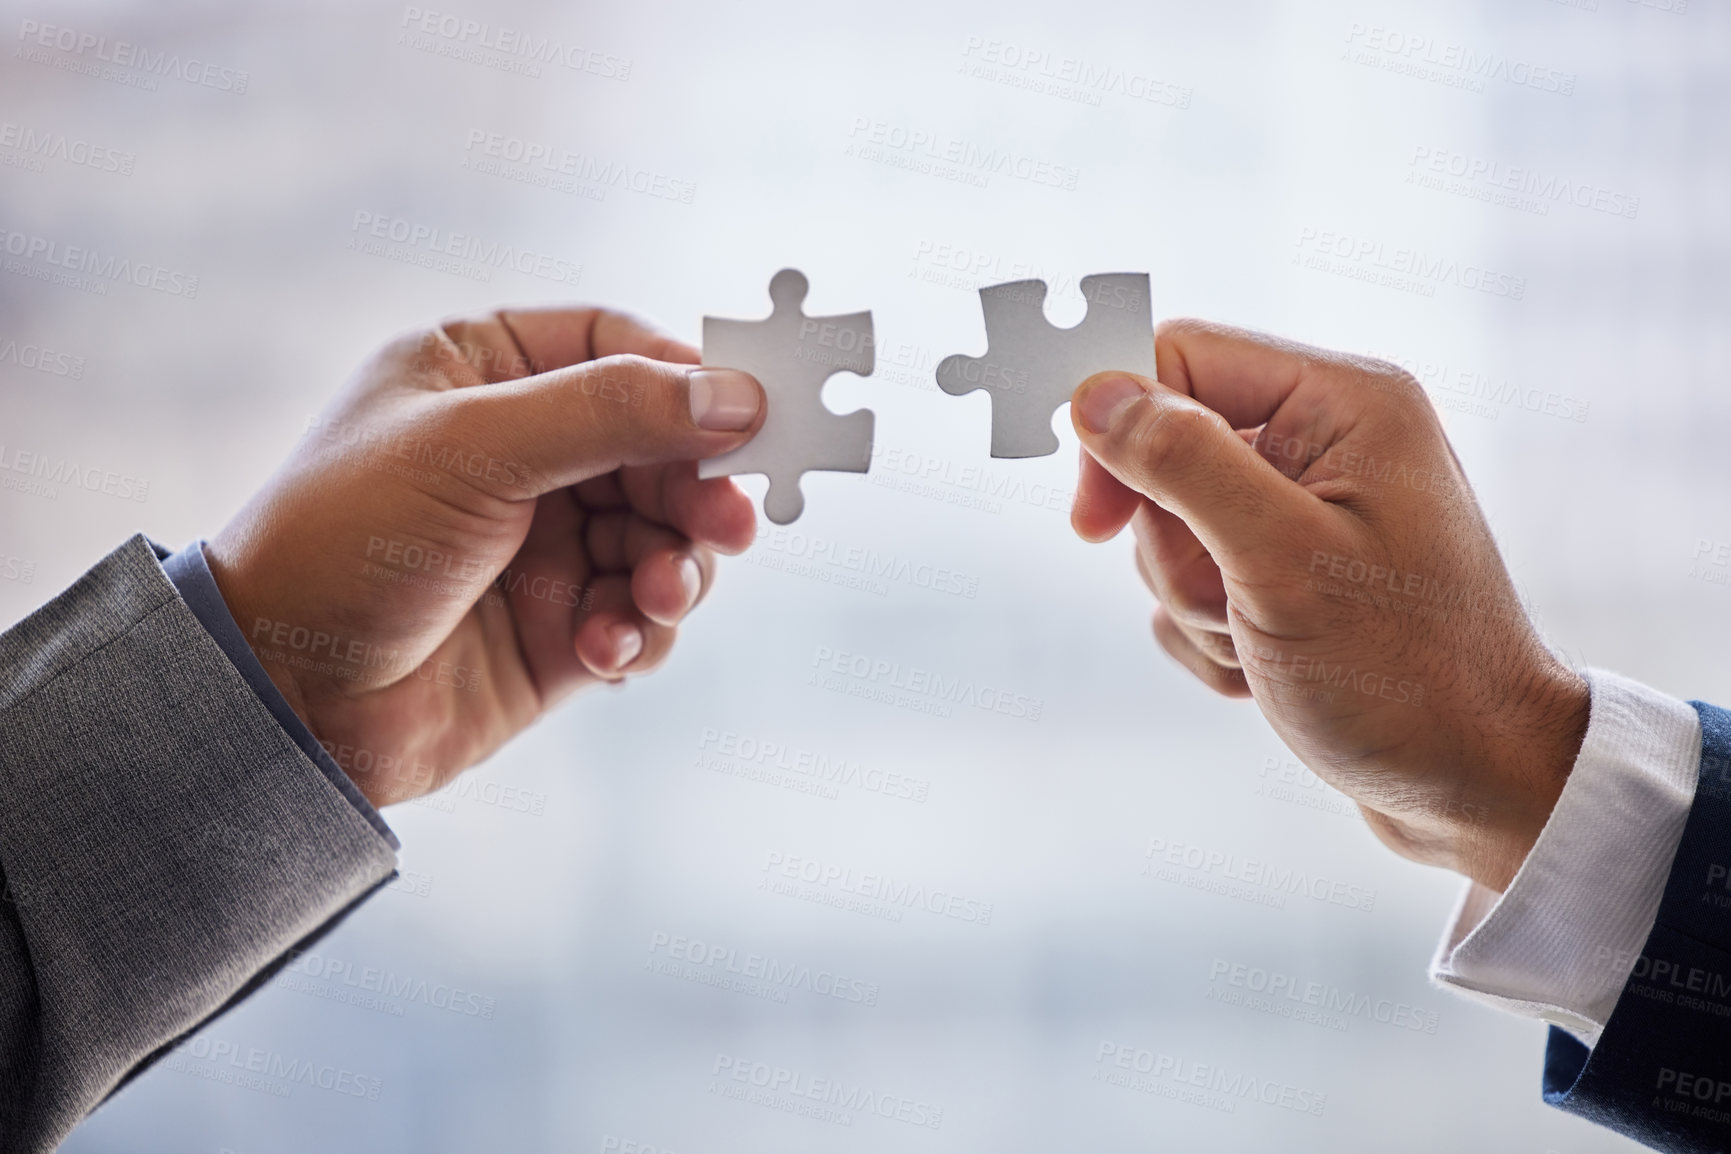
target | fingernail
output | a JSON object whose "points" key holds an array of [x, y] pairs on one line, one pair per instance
{"points": [[1107, 400], [724, 400], [690, 576], [627, 644]]}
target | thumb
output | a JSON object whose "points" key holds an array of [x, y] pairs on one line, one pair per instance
{"points": [[1187, 459], [563, 427]]}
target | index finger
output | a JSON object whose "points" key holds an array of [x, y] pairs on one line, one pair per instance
{"points": [[509, 344], [556, 337], [1244, 376]]}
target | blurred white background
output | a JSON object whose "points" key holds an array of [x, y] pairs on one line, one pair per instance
{"points": [[1226, 148]]}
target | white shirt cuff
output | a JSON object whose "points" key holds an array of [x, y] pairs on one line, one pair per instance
{"points": [[1560, 944]]}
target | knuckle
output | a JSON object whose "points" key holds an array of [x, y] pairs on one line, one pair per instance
{"points": [[1216, 647], [482, 344], [1167, 434], [1370, 374], [466, 438], [1175, 327], [628, 390], [1196, 611]]}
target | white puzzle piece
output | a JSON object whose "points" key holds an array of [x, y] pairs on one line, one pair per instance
{"points": [[792, 355], [1032, 367]]}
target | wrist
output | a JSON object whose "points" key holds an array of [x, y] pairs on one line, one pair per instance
{"points": [[254, 619], [1530, 756]]}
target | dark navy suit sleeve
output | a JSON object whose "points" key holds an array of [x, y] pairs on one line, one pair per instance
{"points": [[193, 580], [1661, 1072]]}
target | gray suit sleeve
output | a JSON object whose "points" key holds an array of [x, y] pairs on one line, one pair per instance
{"points": [[163, 842]]}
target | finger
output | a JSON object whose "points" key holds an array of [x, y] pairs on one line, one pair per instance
{"points": [[1303, 399], [1215, 642], [1243, 376], [668, 573], [1173, 639], [617, 540], [1218, 648], [712, 512], [1103, 504], [603, 492], [1182, 575], [1187, 458], [668, 583], [544, 586], [615, 640], [566, 426], [557, 337]]}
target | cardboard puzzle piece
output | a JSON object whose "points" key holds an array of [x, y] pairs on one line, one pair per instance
{"points": [[792, 355], [1032, 367]]}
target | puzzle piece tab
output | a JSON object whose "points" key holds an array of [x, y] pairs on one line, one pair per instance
{"points": [[1031, 367], [792, 355]]}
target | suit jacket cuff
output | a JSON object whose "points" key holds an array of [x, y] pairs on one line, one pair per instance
{"points": [[1560, 944], [190, 572], [165, 843]]}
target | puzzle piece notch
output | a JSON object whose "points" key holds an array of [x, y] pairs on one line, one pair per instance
{"points": [[1031, 366], [792, 356]]}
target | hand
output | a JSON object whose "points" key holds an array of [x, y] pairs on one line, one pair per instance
{"points": [[495, 513], [1313, 543]]}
